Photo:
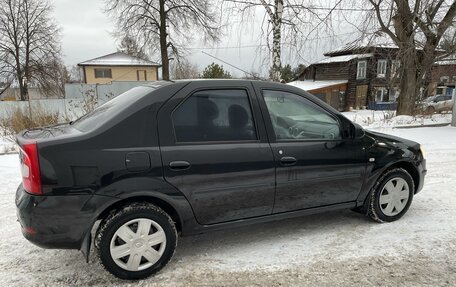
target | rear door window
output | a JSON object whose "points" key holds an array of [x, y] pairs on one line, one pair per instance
{"points": [[215, 116]]}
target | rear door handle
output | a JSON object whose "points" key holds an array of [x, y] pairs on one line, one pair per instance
{"points": [[288, 160], [179, 165]]}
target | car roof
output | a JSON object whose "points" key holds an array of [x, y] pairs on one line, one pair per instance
{"points": [[170, 82]]}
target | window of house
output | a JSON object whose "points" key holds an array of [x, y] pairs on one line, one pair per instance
{"points": [[444, 79], [395, 65], [294, 117], [380, 94], [383, 94], [361, 70], [215, 115], [103, 73], [393, 94], [381, 68]]}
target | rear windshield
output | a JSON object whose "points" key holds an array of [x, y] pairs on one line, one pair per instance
{"points": [[110, 109]]}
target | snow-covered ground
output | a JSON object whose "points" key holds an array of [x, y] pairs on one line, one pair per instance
{"points": [[6, 146], [334, 249], [380, 119]]}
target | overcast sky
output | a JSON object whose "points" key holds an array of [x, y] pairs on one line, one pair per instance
{"points": [[86, 34]]}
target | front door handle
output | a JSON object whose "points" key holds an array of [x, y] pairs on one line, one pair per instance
{"points": [[288, 160], [179, 165]]}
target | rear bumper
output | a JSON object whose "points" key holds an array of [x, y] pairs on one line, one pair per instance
{"points": [[55, 221]]}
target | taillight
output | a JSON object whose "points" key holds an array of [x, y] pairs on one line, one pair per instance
{"points": [[30, 169]]}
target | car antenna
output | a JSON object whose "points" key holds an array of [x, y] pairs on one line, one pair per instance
{"points": [[244, 71]]}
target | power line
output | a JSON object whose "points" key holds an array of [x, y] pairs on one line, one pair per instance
{"points": [[344, 9], [355, 9], [261, 45]]}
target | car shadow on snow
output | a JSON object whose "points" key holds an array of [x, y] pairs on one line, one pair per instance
{"points": [[268, 233], [200, 249]]}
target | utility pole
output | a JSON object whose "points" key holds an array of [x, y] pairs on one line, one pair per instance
{"points": [[453, 117]]}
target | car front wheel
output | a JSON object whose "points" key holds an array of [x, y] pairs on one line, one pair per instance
{"points": [[136, 241], [391, 196]]}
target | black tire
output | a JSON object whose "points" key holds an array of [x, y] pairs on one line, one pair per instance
{"points": [[430, 110], [375, 211], [116, 220]]}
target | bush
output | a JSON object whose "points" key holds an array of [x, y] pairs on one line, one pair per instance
{"points": [[17, 120]]}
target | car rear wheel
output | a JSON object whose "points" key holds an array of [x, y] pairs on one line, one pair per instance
{"points": [[392, 195], [136, 241], [430, 110]]}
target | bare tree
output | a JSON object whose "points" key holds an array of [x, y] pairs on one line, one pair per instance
{"points": [[448, 43], [50, 77], [29, 41], [417, 28], [74, 74], [168, 24], [128, 45], [286, 20], [184, 69]]}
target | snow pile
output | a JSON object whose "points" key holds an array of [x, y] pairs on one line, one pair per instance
{"points": [[385, 119], [7, 146]]}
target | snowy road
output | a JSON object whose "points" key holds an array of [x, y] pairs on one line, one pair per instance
{"points": [[334, 249]]}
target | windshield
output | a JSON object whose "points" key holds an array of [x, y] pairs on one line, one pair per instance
{"points": [[430, 99], [108, 110]]}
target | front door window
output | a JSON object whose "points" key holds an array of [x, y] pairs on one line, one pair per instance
{"points": [[296, 118]]}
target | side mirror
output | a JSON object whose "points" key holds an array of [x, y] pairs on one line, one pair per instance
{"points": [[350, 129], [359, 131]]}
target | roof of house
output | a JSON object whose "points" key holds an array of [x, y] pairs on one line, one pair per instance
{"points": [[118, 59], [376, 40], [309, 85], [447, 61], [343, 58]]}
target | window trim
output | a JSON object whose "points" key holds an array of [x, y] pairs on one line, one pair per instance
{"points": [[382, 63], [358, 76], [395, 68], [177, 143], [384, 92], [104, 70], [268, 122]]}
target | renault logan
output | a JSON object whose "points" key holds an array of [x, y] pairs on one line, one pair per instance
{"points": [[191, 156]]}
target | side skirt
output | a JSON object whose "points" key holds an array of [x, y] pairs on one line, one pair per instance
{"points": [[267, 218]]}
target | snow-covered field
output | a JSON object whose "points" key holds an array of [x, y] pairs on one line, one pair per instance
{"points": [[333, 249]]}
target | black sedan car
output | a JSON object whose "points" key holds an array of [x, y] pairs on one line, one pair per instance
{"points": [[191, 156]]}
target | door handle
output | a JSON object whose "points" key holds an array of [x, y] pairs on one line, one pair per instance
{"points": [[179, 165], [288, 160]]}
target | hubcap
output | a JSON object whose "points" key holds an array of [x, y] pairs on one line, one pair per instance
{"points": [[138, 244], [394, 196]]}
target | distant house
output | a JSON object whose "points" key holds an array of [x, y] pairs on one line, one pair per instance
{"points": [[369, 69], [443, 77], [331, 91], [118, 66]]}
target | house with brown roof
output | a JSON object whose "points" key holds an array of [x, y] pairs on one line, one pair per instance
{"points": [[369, 68], [118, 66]]}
